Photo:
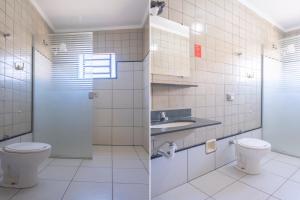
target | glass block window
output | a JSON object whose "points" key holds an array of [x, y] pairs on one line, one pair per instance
{"points": [[97, 66]]}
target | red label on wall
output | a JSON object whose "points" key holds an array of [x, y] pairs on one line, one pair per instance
{"points": [[197, 51]]}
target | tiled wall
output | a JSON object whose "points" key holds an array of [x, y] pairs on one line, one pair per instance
{"points": [[169, 53], [127, 44], [20, 19], [146, 103], [120, 103], [229, 28], [192, 163], [118, 107]]}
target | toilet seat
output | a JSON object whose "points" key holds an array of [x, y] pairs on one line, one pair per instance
{"points": [[26, 147], [252, 143]]}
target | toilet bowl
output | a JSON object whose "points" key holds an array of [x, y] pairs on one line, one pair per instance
{"points": [[20, 162], [249, 153]]}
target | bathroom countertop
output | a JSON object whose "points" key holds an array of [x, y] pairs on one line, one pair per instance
{"points": [[199, 123]]}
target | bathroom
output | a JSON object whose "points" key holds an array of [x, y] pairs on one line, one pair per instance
{"points": [[74, 82], [149, 99], [215, 121]]}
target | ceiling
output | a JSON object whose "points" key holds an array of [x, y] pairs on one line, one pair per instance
{"points": [[87, 15], [285, 14]]}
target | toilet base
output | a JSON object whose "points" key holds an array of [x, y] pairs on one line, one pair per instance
{"points": [[19, 177], [5, 185], [247, 171]]}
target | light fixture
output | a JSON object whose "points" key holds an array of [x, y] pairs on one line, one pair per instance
{"points": [[197, 28], [157, 7]]}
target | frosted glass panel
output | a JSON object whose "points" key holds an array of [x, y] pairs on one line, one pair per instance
{"points": [[63, 110], [281, 107]]}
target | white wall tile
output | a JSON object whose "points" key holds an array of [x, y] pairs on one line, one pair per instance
{"points": [[138, 99], [168, 173], [138, 117], [122, 117], [138, 133], [123, 81], [138, 80], [103, 99], [103, 117], [102, 135], [225, 152], [102, 84], [122, 135], [125, 66], [122, 98], [199, 162]]}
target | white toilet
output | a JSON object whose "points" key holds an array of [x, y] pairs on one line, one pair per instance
{"points": [[249, 153], [20, 163]]}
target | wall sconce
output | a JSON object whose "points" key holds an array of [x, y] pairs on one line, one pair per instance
{"points": [[19, 66]]}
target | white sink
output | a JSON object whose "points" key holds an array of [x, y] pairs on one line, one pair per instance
{"points": [[172, 124]]}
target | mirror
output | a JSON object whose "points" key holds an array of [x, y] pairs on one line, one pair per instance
{"points": [[169, 47]]}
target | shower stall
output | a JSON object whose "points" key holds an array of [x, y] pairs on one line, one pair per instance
{"points": [[62, 98], [281, 98]]}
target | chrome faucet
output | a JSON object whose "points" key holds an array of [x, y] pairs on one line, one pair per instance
{"points": [[163, 116]]}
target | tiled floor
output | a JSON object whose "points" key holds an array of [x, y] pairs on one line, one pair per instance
{"points": [[279, 180], [115, 173]]}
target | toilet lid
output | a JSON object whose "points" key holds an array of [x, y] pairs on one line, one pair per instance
{"points": [[26, 147], [253, 143]]}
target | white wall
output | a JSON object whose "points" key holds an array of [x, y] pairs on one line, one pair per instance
{"points": [[192, 163]]}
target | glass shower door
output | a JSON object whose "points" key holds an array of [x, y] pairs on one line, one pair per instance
{"points": [[281, 101], [63, 104]]}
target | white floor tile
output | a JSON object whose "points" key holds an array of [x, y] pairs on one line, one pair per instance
{"points": [[92, 174], [65, 162], [296, 176], [280, 168], [266, 181], [232, 171], [58, 173], [122, 163], [126, 155], [130, 176], [45, 164], [272, 198], [89, 191], [97, 162], [288, 159], [45, 190], [131, 192], [289, 191], [240, 191], [212, 183], [7, 193], [185, 191], [269, 157]]}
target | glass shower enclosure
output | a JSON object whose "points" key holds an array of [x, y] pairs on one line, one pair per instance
{"points": [[281, 98], [63, 99]]}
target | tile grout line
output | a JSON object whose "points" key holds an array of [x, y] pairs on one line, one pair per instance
{"points": [[288, 179], [141, 160], [112, 171], [71, 181]]}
